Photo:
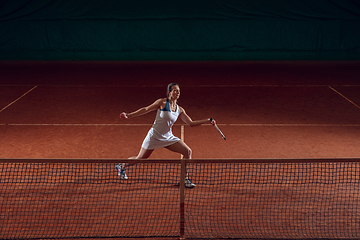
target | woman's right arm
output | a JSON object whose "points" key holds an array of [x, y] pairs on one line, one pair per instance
{"points": [[144, 110]]}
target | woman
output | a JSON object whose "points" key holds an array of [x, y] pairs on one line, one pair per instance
{"points": [[160, 135]]}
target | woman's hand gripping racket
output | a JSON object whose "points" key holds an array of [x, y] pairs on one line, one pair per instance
{"points": [[124, 115], [213, 122]]}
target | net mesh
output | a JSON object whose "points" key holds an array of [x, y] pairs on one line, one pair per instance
{"points": [[274, 200], [232, 199]]}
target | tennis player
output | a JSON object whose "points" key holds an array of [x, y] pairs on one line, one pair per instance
{"points": [[160, 134]]}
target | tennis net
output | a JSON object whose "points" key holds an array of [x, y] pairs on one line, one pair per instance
{"points": [[233, 198]]}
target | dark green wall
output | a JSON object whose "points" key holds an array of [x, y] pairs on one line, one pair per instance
{"points": [[180, 30]]}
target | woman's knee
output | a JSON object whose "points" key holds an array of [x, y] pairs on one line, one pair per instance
{"points": [[188, 153]]}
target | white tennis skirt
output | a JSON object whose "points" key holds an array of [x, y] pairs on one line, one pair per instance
{"points": [[154, 139]]}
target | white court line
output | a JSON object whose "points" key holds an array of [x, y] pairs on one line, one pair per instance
{"points": [[73, 124], [182, 133], [17, 99], [182, 126], [182, 137], [291, 125], [345, 97], [272, 85], [182, 85]]}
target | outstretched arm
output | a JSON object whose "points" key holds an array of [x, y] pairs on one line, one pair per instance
{"points": [[186, 119], [143, 110]]}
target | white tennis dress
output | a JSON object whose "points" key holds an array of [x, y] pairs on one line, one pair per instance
{"points": [[160, 134]]}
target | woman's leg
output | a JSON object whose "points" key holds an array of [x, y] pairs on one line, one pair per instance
{"points": [[143, 154], [182, 148]]}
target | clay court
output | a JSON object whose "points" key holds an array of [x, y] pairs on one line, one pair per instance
{"points": [[289, 167], [265, 109]]}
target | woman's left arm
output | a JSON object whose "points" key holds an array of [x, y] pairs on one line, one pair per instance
{"points": [[186, 119]]}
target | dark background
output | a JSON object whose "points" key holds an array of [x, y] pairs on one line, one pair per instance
{"points": [[180, 30]]}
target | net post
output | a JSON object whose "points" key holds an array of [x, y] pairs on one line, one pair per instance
{"points": [[182, 199]]}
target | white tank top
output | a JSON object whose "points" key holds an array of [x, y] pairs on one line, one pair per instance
{"points": [[165, 119], [160, 134]]}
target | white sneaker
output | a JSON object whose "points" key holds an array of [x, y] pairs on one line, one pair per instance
{"points": [[188, 183], [121, 171]]}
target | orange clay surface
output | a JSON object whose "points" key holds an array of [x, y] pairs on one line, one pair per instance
{"points": [[67, 110]]}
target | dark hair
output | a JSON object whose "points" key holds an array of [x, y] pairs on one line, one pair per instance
{"points": [[169, 88]]}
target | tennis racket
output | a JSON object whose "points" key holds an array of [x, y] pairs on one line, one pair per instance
{"points": [[218, 129]]}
